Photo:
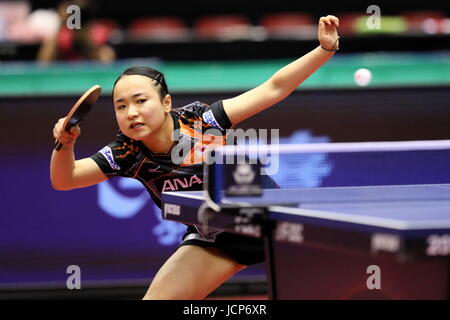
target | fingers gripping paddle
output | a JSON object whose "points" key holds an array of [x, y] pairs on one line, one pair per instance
{"points": [[79, 110]]}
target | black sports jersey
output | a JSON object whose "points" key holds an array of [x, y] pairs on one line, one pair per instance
{"points": [[195, 126]]}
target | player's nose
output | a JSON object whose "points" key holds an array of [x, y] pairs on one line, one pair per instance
{"points": [[133, 112]]}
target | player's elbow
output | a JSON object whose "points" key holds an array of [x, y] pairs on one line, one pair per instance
{"points": [[278, 90], [60, 186]]}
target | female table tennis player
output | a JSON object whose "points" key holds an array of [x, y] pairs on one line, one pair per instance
{"points": [[150, 129]]}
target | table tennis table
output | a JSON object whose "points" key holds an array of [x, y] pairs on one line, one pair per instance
{"points": [[364, 242]]}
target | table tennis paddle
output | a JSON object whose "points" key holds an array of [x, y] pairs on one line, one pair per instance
{"points": [[79, 110]]}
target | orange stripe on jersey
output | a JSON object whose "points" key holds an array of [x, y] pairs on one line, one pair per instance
{"points": [[130, 149], [139, 169], [193, 133], [190, 132], [197, 154]]}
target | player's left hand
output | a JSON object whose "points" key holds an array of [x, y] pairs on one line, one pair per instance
{"points": [[327, 32]]}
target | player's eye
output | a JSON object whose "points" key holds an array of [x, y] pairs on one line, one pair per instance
{"points": [[142, 100], [120, 107]]}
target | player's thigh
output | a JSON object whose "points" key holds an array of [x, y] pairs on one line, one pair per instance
{"points": [[192, 272]]}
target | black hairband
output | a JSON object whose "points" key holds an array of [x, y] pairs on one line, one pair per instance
{"points": [[158, 77]]}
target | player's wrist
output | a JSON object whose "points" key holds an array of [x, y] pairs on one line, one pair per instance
{"points": [[68, 145], [324, 53], [71, 144], [334, 48]]}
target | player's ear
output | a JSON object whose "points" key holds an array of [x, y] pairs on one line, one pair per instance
{"points": [[167, 103]]}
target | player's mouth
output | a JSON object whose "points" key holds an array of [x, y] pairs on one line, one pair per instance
{"points": [[136, 125]]}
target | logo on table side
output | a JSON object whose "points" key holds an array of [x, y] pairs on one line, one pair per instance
{"points": [[172, 209], [243, 223], [385, 242], [289, 231], [438, 245]]}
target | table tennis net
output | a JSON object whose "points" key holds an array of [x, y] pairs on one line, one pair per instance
{"points": [[398, 168], [357, 194]]}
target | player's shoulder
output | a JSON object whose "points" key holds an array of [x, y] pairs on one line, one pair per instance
{"points": [[122, 147], [120, 157], [212, 115], [195, 108]]}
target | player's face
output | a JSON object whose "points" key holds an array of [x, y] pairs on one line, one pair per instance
{"points": [[138, 106]]}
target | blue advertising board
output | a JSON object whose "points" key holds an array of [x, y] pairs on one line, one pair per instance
{"points": [[114, 232]]}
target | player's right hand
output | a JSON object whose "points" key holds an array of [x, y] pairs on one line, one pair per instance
{"points": [[62, 135]]}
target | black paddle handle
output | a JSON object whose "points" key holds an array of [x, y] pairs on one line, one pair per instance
{"points": [[58, 145]]}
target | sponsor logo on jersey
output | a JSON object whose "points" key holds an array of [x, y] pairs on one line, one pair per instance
{"points": [[180, 183], [107, 153], [209, 118]]}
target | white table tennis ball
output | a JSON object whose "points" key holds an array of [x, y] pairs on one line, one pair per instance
{"points": [[362, 77]]}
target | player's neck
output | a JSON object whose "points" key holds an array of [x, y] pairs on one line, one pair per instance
{"points": [[161, 141]]}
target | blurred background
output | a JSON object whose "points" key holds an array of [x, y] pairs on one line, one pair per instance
{"points": [[208, 50]]}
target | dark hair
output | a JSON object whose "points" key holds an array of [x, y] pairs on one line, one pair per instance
{"points": [[149, 73]]}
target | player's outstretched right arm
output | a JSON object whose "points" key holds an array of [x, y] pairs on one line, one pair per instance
{"points": [[66, 173]]}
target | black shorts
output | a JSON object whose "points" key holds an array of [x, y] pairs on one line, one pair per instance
{"points": [[244, 250]]}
